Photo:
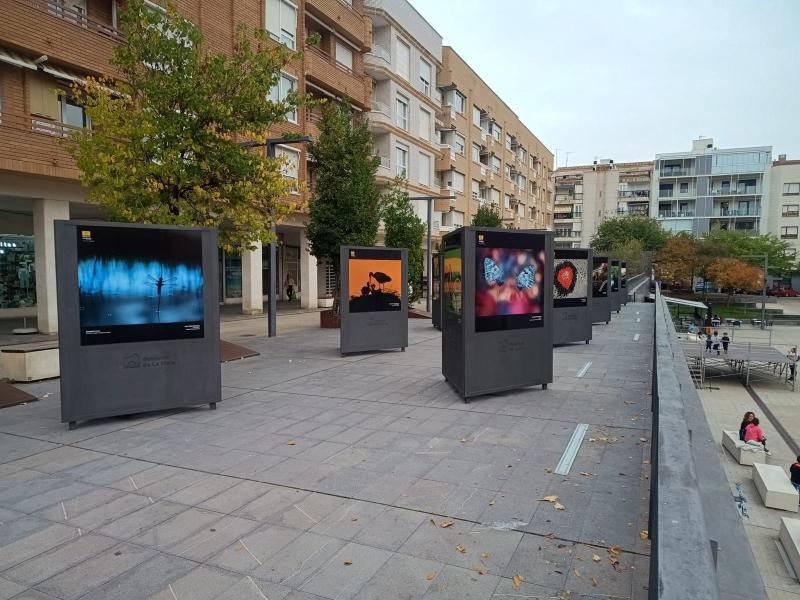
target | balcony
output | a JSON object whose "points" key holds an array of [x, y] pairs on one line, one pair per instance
{"points": [[322, 69], [725, 213], [675, 214], [567, 233], [63, 34], [631, 210], [30, 145], [378, 62], [746, 191], [676, 173], [634, 194], [346, 20]]}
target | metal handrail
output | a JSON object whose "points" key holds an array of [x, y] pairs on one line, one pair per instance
{"points": [[76, 17]]}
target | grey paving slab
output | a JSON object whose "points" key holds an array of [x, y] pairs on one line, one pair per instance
{"points": [[9, 589], [220, 504], [34, 543]]}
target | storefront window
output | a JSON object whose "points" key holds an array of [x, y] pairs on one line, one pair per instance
{"points": [[233, 275], [17, 271]]}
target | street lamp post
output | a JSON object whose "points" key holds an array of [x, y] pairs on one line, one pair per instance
{"points": [[429, 259], [272, 287]]}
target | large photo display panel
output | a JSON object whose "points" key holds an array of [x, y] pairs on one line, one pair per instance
{"points": [[451, 280], [375, 280], [570, 278], [139, 284], [599, 277], [509, 285], [623, 274], [614, 277]]}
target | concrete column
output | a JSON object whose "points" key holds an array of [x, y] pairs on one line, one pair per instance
{"points": [[45, 211], [308, 274], [252, 287]]}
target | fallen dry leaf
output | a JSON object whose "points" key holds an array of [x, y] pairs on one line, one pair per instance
{"points": [[595, 558], [592, 440], [446, 524], [348, 562], [548, 470], [462, 440], [550, 498], [430, 575], [517, 581], [550, 536], [291, 443], [644, 534], [492, 503], [479, 571], [615, 550], [434, 523], [578, 573], [642, 439], [461, 549], [354, 519], [647, 461], [559, 506], [586, 473], [594, 582]]}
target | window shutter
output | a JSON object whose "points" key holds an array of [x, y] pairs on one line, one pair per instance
{"points": [[274, 18], [43, 98]]}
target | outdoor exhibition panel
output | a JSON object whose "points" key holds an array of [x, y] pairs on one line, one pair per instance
{"points": [[138, 318], [374, 300], [623, 282], [601, 296], [497, 298], [436, 302], [615, 293], [572, 302]]}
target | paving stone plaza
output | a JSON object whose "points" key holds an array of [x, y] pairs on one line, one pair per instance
{"points": [[322, 476]]}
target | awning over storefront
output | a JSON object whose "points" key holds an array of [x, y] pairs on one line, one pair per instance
{"points": [[682, 302]]}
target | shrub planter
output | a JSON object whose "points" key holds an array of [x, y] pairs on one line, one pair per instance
{"points": [[328, 319]]}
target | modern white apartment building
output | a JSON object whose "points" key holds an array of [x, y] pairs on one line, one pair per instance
{"points": [[585, 195], [711, 188], [784, 194]]}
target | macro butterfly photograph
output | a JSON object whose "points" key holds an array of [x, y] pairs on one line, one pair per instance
{"points": [[509, 281]]}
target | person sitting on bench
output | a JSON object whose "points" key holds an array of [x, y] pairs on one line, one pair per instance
{"points": [[754, 436]]}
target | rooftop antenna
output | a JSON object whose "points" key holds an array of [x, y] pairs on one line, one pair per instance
{"points": [[566, 162]]}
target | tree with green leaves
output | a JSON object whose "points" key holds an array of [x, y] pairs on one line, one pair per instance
{"points": [[617, 231], [631, 252], [487, 216], [752, 248], [165, 143], [404, 229], [344, 209]]}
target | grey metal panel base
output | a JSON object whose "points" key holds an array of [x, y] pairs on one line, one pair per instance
{"points": [[118, 379], [436, 314], [478, 363], [601, 309], [572, 324], [372, 331]]}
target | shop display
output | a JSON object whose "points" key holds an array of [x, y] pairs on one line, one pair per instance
{"points": [[17, 271]]}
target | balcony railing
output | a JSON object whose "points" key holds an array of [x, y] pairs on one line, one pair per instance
{"points": [[74, 16], [634, 194], [567, 233], [563, 215], [381, 53], [749, 212], [676, 172], [790, 213], [633, 211], [675, 214], [750, 191]]}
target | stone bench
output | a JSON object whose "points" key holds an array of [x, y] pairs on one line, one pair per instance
{"points": [[790, 540], [774, 487], [744, 454], [30, 362]]}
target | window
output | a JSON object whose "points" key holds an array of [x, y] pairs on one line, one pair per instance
{"points": [[69, 10], [401, 161], [344, 56], [494, 196], [791, 210], [533, 187], [508, 172], [282, 22], [506, 201], [454, 218], [665, 189], [476, 188], [476, 116], [476, 153], [402, 113], [425, 76], [291, 164], [496, 163], [791, 189], [424, 169], [789, 233], [791, 252], [424, 124], [523, 155], [457, 181], [279, 93], [460, 144], [403, 59], [522, 182], [509, 140], [521, 210], [72, 114], [460, 102], [684, 188]]}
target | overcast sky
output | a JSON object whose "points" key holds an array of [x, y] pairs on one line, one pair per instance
{"points": [[625, 79]]}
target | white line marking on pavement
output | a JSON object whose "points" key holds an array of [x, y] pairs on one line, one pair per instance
{"points": [[585, 368], [638, 320], [171, 591], [255, 585], [306, 515], [64, 510], [308, 558], [250, 553], [571, 451], [636, 338], [136, 487], [480, 433]]}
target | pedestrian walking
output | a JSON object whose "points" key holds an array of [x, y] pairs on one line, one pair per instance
{"points": [[708, 342], [725, 341], [715, 341], [792, 356]]}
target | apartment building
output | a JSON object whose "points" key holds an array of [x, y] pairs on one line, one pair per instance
{"points": [[709, 188], [46, 44], [405, 57], [488, 154], [784, 194], [585, 195]]}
